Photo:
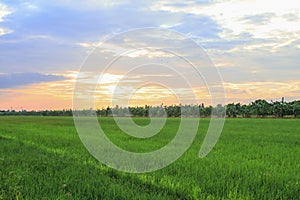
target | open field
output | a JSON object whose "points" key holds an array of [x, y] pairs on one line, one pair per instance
{"points": [[43, 158]]}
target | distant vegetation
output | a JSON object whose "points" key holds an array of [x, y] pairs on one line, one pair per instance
{"points": [[257, 108]]}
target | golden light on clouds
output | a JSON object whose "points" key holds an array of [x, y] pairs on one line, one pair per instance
{"points": [[58, 94], [153, 94], [40, 96], [247, 91]]}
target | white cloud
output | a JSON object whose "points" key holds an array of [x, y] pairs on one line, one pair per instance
{"points": [[88, 45], [232, 19], [4, 11], [87, 4], [230, 15], [170, 25], [4, 31], [150, 53], [129, 48]]}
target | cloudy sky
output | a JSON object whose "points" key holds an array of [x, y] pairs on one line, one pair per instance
{"points": [[43, 45]]}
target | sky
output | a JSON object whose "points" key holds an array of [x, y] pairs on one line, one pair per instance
{"points": [[46, 48]]}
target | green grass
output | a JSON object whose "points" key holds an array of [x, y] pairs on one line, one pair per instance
{"points": [[43, 158]]}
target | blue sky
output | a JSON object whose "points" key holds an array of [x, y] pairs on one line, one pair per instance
{"points": [[255, 44]]}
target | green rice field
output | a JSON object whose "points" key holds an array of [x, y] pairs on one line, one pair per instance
{"points": [[43, 158]]}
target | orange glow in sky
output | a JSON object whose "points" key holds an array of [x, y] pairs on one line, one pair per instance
{"points": [[58, 94]]}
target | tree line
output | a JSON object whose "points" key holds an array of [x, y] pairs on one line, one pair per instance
{"points": [[257, 108]]}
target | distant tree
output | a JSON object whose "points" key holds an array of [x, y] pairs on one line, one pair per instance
{"points": [[261, 107], [108, 111], [296, 108], [246, 111], [231, 110], [278, 109], [219, 111]]}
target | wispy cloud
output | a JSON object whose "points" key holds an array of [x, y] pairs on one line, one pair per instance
{"points": [[4, 11], [249, 91], [259, 19], [21, 79]]}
